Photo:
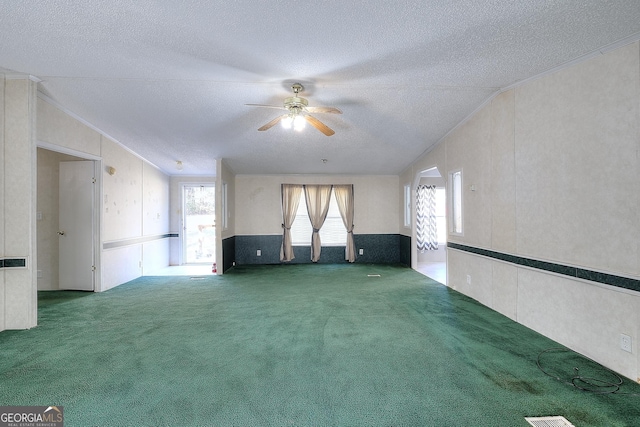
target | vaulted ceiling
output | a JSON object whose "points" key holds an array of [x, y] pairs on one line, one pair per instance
{"points": [[170, 79]]}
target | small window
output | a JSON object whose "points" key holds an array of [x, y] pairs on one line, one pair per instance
{"points": [[225, 209], [441, 215], [455, 181], [407, 205], [332, 233]]}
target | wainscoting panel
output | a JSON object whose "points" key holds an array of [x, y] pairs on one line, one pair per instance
{"points": [[248, 246], [228, 253], [377, 249], [405, 250]]}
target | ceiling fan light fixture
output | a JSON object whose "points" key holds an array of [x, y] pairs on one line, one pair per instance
{"points": [[298, 113], [287, 122], [299, 123]]}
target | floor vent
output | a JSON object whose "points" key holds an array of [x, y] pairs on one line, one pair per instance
{"points": [[373, 275], [197, 278], [549, 422]]}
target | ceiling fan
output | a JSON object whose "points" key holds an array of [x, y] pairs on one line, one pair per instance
{"points": [[298, 113]]}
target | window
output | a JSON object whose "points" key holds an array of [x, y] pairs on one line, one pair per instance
{"points": [[441, 215], [332, 233], [225, 209], [455, 183], [407, 205]]}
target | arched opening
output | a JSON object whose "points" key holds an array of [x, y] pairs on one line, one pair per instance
{"points": [[429, 224]]}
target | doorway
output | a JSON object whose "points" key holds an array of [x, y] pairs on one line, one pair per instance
{"points": [[199, 223], [67, 221], [429, 242]]}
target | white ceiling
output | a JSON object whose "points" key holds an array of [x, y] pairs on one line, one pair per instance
{"points": [[170, 79]]}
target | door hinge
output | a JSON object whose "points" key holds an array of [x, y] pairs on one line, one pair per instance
{"points": [[93, 268], [93, 180]]}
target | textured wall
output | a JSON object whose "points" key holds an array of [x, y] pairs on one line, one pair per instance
{"points": [[134, 201], [555, 167], [225, 215], [155, 188], [3, 287], [258, 206], [377, 248], [228, 253], [58, 128], [122, 193], [228, 178], [259, 218], [155, 255], [585, 202], [405, 250], [18, 286]]}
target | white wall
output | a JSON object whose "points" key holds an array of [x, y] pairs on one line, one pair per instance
{"points": [[18, 287], [259, 212], [134, 205], [555, 165], [227, 177], [3, 287], [155, 220]]}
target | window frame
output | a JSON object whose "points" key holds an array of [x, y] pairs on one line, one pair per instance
{"points": [[407, 205], [295, 229], [225, 208], [456, 203]]}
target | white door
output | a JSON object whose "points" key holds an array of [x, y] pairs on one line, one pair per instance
{"points": [[75, 233]]}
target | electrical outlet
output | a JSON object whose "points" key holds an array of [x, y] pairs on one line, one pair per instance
{"points": [[625, 342], [361, 251], [259, 252], [468, 279], [39, 274]]}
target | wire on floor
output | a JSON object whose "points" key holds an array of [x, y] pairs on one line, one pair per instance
{"points": [[588, 383]]}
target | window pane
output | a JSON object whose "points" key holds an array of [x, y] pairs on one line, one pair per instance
{"points": [[332, 233], [407, 205], [441, 215], [456, 201]]}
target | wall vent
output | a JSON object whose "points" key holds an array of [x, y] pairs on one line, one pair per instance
{"points": [[549, 421]]}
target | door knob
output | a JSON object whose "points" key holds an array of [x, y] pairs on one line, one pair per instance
{"points": [[61, 233]]}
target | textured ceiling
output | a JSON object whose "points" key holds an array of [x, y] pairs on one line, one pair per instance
{"points": [[170, 80]]}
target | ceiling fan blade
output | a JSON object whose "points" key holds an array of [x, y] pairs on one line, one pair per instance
{"points": [[272, 122], [332, 110], [267, 106], [319, 125]]}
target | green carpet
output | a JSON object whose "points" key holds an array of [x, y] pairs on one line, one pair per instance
{"points": [[293, 345]]}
